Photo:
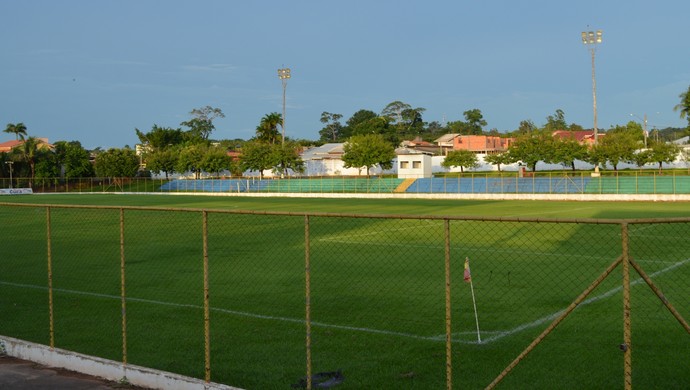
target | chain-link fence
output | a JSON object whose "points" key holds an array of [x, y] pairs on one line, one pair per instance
{"points": [[672, 183], [273, 300]]}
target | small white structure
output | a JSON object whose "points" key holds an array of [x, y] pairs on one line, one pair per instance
{"points": [[413, 164]]}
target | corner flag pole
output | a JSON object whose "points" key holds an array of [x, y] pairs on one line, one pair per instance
{"points": [[468, 279]]}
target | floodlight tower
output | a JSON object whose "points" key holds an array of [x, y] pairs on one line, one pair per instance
{"points": [[284, 75], [10, 164], [591, 39]]}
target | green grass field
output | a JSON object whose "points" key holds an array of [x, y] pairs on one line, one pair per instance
{"points": [[377, 289]]}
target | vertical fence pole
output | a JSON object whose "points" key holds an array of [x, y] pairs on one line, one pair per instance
{"points": [[626, 347], [207, 322], [449, 365], [307, 300], [123, 295], [49, 249]]}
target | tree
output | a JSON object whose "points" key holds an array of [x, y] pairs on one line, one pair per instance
{"points": [[216, 160], [162, 161], [267, 131], [201, 125], [161, 137], [189, 160], [30, 150], [498, 159], [684, 106], [615, 147], [530, 149], [661, 152], [286, 156], [475, 121], [394, 111], [256, 156], [357, 118], [565, 151], [18, 129], [556, 122], [412, 121], [73, 159], [117, 163], [366, 151], [332, 129], [460, 158]]}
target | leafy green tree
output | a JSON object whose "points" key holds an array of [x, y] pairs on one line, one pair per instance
{"points": [[117, 163], [460, 158], [332, 130], [162, 161], [684, 106], [641, 157], [566, 151], [201, 125], [434, 128], [287, 156], [267, 131], [189, 159], [18, 129], [257, 156], [556, 121], [216, 160], [394, 111], [161, 137], [498, 159], [615, 147], [475, 121], [379, 125], [530, 149], [366, 151], [526, 127], [412, 121], [661, 152], [74, 159], [357, 118], [30, 151]]}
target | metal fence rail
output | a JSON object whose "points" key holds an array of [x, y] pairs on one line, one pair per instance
{"points": [[270, 300]]}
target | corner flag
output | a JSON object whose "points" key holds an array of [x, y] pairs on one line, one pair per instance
{"points": [[468, 276], [468, 279]]}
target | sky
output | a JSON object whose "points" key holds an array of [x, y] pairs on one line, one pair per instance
{"points": [[95, 70]]}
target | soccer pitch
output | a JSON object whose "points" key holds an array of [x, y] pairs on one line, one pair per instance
{"points": [[377, 289]]}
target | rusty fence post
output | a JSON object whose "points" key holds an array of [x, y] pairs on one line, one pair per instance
{"points": [[626, 347], [123, 294], [50, 279], [449, 365], [207, 321], [307, 298]]}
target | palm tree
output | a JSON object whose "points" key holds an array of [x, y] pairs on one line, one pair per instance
{"points": [[267, 131], [684, 105], [19, 130], [29, 150]]}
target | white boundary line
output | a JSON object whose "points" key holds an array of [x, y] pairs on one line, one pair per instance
{"points": [[498, 334], [605, 295]]}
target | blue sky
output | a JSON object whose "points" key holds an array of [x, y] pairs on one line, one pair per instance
{"points": [[94, 70]]}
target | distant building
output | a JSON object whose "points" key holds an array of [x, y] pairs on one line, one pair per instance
{"points": [[413, 164], [6, 147], [585, 137], [480, 144]]}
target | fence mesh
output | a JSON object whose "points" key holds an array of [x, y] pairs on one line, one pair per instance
{"points": [[674, 182], [372, 301]]}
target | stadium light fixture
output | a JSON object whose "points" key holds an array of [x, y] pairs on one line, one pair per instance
{"points": [[284, 75], [591, 39]]}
